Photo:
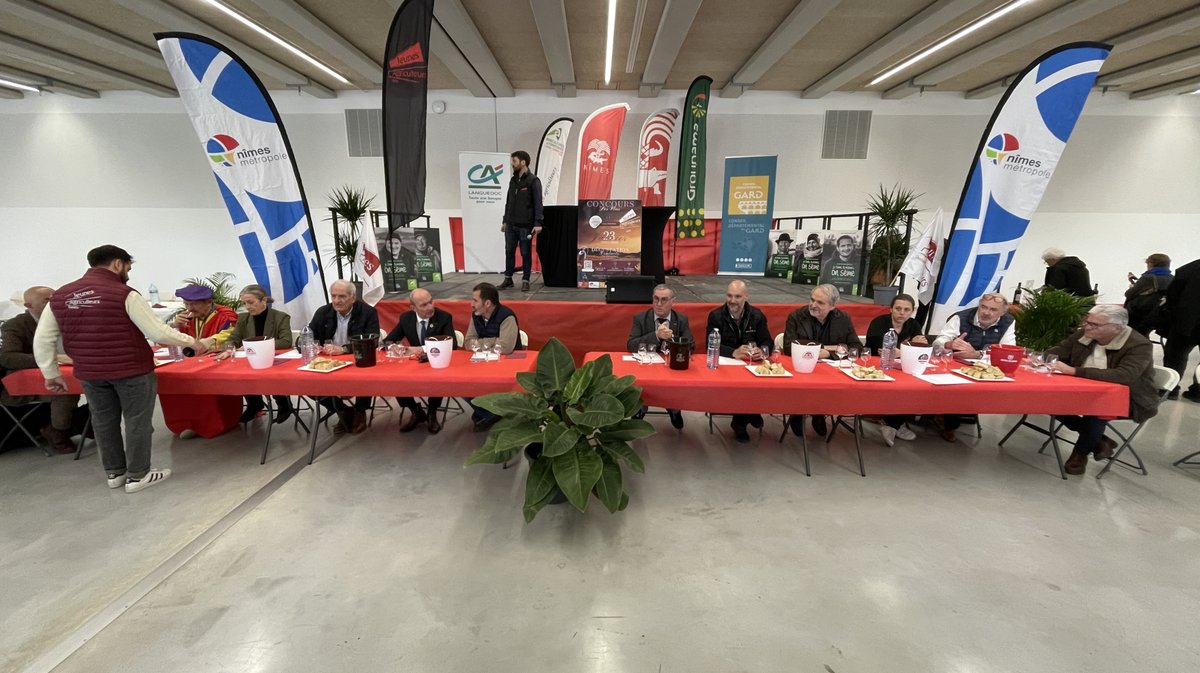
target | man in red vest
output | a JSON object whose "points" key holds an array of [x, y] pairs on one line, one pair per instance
{"points": [[104, 325]]}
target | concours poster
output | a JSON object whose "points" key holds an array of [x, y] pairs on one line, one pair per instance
{"points": [[609, 241]]}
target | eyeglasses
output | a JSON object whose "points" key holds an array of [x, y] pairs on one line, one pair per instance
{"points": [[1095, 325], [663, 300]]}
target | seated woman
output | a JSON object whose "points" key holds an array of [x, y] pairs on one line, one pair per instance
{"points": [[908, 330], [262, 320]]}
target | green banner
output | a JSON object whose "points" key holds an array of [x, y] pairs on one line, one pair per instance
{"points": [[693, 152]]}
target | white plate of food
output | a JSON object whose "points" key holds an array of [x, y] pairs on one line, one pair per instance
{"points": [[324, 365], [768, 370], [982, 372], [861, 373]]}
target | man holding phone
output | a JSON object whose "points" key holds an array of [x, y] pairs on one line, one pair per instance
{"points": [[522, 219]]}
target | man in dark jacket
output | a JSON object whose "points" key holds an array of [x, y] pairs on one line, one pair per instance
{"points": [[741, 325], [522, 219], [1106, 349], [333, 325], [656, 325], [424, 320], [821, 322], [1182, 314], [1068, 274]]}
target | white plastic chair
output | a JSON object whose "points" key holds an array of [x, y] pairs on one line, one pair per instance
{"points": [[524, 339]]}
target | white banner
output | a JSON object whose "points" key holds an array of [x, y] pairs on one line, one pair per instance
{"points": [[483, 187], [548, 166], [368, 267], [925, 258], [654, 156]]}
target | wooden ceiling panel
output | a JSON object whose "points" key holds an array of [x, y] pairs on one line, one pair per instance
{"points": [[723, 37]]}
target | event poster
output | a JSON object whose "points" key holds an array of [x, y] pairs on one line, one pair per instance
{"points": [[749, 206], [610, 240], [842, 260], [410, 258], [806, 263], [781, 254], [483, 187]]}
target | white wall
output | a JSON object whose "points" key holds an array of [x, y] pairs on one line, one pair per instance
{"points": [[125, 169]]}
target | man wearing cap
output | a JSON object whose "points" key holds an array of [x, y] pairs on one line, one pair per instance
{"points": [[202, 318], [783, 244]]}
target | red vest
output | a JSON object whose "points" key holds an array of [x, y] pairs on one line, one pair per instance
{"points": [[97, 332]]}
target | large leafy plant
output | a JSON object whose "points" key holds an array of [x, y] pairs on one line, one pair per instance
{"points": [[349, 205], [1048, 316], [222, 285], [889, 211], [582, 417]]}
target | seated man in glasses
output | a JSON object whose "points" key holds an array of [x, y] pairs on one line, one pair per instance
{"points": [[655, 327], [1106, 349], [968, 332], [820, 321]]}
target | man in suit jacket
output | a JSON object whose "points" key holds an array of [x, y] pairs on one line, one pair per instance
{"points": [[423, 321], [333, 324], [657, 325]]}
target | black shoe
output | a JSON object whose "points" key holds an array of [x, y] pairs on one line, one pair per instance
{"points": [[739, 433], [415, 417], [524, 286], [796, 423], [1192, 394], [250, 413], [283, 413], [640, 414], [756, 421], [505, 285], [676, 418], [819, 425], [1173, 395]]}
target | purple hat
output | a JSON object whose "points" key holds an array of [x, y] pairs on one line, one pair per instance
{"points": [[194, 293]]}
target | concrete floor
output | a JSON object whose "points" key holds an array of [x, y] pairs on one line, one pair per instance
{"points": [[387, 554]]}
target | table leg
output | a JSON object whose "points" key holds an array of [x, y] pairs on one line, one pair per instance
{"points": [[1057, 454], [316, 430], [87, 425], [270, 424]]}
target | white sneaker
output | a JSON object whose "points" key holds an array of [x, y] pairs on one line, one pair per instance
{"points": [[152, 477], [117, 482], [889, 435], [904, 433]]}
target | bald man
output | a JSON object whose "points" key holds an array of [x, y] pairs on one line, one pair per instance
{"points": [[745, 336], [424, 320], [333, 325], [16, 352]]}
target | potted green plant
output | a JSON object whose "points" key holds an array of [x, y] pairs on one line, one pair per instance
{"points": [[348, 205], [222, 285], [889, 211], [575, 425], [1049, 315]]}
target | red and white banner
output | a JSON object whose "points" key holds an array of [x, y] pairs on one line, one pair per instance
{"points": [[654, 154], [598, 141], [367, 266]]}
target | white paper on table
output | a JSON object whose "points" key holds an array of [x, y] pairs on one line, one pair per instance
{"points": [[651, 358], [291, 354], [943, 379], [731, 362], [162, 352]]}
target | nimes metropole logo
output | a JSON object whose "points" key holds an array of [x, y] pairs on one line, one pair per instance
{"points": [[223, 150]]}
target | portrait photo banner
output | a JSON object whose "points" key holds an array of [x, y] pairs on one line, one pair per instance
{"points": [[483, 186], [749, 206]]}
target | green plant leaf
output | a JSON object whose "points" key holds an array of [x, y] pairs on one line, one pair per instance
{"points": [[601, 411], [576, 472], [528, 381], [554, 367], [1049, 315], [540, 481], [627, 431], [518, 437], [579, 382], [631, 399], [530, 511], [513, 405], [486, 453], [616, 385], [604, 365], [609, 489], [558, 439], [624, 502], [621, 450]]}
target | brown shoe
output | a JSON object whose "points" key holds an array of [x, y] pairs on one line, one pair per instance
{"points": [[949, 436], [345, 422], [359, 423], [414, 419], [435, 426], [1076, 464], [1107, 448], [59, 440]]}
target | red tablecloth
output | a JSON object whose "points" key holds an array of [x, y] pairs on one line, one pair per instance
{"points": [[732, 389]]}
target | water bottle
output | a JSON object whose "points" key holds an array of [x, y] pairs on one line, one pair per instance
{"points": [[153, 292], [887, 355], [713, 358], [308, 345], [176, 352]]}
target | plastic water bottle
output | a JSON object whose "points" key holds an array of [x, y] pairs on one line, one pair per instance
{"points": [[153, 292], [713, 357], [176, 352], [308, 345], [887, 355]]}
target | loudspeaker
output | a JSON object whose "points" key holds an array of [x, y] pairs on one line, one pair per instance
{"points": [[630, 290]]}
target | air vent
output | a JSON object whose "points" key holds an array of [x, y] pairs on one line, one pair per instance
{"points": [[364, 132], [846, 134]]}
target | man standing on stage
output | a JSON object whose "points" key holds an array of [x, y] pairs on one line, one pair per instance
{"points": [[522, 219]]}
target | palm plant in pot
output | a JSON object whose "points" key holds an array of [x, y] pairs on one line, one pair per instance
{"points": [[1049, 315], [348, 205], [575, 425], [889, 210]]}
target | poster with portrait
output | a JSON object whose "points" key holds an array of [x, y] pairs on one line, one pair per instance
{"points": [[781, 254], [410, 257], [806, 263], [841, 260], [609, 241]]}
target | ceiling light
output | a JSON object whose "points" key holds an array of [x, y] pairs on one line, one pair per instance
{"points": [[608, 46], [278, 40], [22, 87], [951, 39]]}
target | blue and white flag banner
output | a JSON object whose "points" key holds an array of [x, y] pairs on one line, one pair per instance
{"points": [[248, 151], [1016, 158], [749, 206]]}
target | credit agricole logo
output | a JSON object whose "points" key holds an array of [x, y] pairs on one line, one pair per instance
{"points": [[485, 176]]}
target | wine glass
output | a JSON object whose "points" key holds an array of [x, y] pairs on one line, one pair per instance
{"points": [[395, 351], [497, 347], [663, 350], [851, 356], [1049, 359], [641, 354], [752, 351], [230, 350], [841, 352], [473, 346], [1037, 360]]}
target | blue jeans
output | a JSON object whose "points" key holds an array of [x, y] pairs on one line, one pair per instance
{"points": [[514, 236], [133, 400]]}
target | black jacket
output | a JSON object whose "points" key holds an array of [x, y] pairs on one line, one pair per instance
{"points": [[645, 327], [441, 324], [882, 323], [523, 207], [363, 320], [734, 334], [803, 327], [1183, 301], [1070, 274]]}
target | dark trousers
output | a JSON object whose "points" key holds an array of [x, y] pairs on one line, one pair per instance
{"points": [[1090, 430], [411, 404], [479, 413], [338, 404], [955, 421], [523, 236], [133, 400], [1175, 355], [256, 402], [894, 422]]}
